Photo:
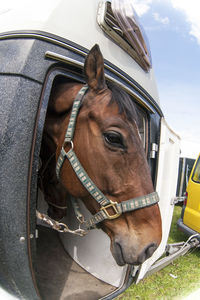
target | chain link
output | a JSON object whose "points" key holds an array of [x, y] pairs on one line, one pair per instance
{"points": [[60, 227]]}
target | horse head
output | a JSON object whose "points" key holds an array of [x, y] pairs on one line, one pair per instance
{"points": [[108, 145]]}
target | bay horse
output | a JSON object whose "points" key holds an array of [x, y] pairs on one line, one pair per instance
{"points": [[104, 140]]}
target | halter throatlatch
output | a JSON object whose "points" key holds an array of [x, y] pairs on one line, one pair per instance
{"points": [[109, 209]]}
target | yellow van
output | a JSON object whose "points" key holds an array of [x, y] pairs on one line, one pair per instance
{"points": [[190, 216]]}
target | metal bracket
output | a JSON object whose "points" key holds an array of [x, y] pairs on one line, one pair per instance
{"points": [[154, 149], [175, 200]]}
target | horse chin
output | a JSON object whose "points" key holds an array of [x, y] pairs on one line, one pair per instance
{"points": [[117, 254], [129, 256]]}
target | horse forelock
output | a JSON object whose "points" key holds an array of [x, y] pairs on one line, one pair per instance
{"points": [[125, 104]]}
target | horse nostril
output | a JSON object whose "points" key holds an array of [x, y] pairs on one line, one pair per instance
{"points": [[147, 252]]}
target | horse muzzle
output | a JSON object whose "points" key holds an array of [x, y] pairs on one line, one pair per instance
{"points": [[133, 255]]}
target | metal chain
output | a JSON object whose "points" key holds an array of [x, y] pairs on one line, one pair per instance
{"points": [[60, 227]]}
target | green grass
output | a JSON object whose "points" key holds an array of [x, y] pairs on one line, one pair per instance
{"points": [[161, 286]]}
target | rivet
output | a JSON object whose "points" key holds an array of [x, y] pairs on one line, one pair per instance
{"points": [[22, 239]]}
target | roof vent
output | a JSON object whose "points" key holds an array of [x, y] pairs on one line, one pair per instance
{"points": [[119, 20]]}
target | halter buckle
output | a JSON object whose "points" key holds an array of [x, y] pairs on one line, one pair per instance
{"points": [[115, 209]]}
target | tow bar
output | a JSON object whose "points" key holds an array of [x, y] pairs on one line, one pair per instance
{"points": [[173, 251]]}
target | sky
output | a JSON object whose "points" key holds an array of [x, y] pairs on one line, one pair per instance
{"points": [[173, 31]]}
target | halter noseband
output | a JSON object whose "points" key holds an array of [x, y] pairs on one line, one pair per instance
{"points": [[105, 203]]}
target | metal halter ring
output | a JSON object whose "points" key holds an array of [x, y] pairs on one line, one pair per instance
{"points": [[69, 142]]}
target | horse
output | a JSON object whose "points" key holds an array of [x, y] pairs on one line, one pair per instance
{"points": [[107, 144]]}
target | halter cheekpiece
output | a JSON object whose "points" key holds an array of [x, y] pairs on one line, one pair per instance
{"points": [[116, 208]]}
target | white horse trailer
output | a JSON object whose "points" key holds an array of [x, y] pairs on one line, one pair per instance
{"points": [[40, 40]]}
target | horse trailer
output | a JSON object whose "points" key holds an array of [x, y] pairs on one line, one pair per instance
{"points": [[40, 44]]}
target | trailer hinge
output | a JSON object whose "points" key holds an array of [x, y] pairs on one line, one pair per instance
{"points": [[154, 149], [175, 200], [36, 233]]}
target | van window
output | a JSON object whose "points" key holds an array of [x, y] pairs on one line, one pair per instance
{"points": [[196, 173]]}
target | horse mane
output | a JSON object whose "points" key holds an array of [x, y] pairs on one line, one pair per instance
{"points": [[125, 103]]}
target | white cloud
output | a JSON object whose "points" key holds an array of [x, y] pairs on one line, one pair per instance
{"points": [[141, 6], [158, 18], [189, 149], [191, 10]]}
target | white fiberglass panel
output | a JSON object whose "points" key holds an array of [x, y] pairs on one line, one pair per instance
{"points": [[167, 174], [75, 21], [92, 252]]}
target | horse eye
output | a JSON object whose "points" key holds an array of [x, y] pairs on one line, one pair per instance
{"points": [[114, 139]]}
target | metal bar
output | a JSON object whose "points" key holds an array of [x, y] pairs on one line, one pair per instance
{"points": [[70, 61], [160, 264], [62, 58]]}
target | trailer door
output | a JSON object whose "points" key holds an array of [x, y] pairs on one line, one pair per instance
{"points": [[166, 182]]}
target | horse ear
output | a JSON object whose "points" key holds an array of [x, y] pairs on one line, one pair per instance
{"points": [[94, 69]]}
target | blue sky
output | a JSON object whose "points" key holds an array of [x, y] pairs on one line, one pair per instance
{"points": [[173, 30]]}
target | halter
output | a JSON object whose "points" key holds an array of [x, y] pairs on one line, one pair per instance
{"points": [[106, 204]]}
